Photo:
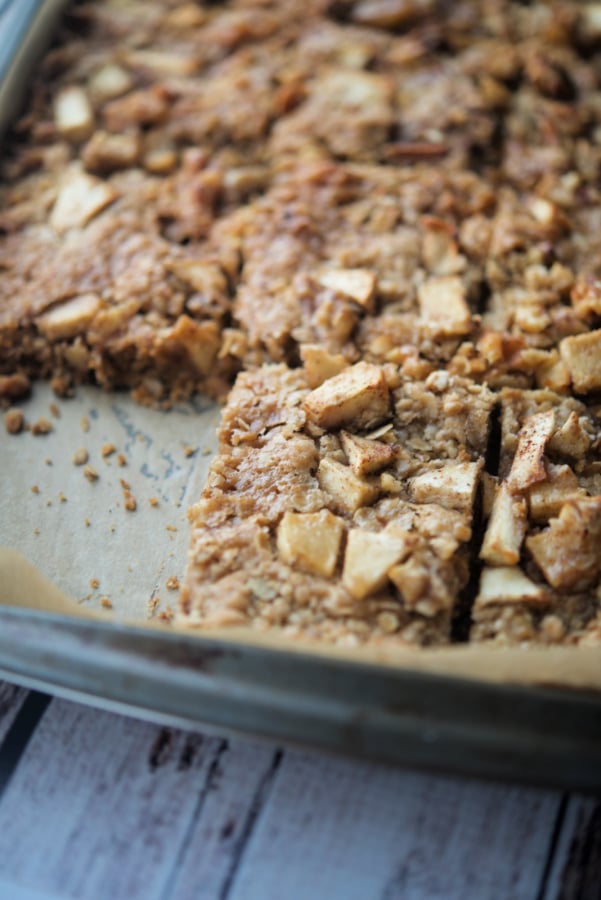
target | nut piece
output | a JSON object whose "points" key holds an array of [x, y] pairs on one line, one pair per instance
{"points": [[528, 466], [369, 555], [81, 197], [106, 152], [358, 284], [348, 492], [319, 364], [365, 455], [582, 356], [70, 318], [567, 551], [508, 584], [506, 529], [358, 396], [443, 306], [73, 114], [547, 497], [311, 541], [454, 486]]}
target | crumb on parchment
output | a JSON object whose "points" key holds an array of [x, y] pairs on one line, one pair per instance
{"points": [[90, 473], [172, 583], [14, 421], [41, 426], [107, 450], [80, 457]]}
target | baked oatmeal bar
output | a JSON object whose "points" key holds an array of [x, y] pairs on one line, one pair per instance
{"points": [[542, 566], [342, 512]]}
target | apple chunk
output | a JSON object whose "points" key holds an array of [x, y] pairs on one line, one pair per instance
{"points": [[508, 584], [453, 486], [528, 466], [358, 284], [366, 455], [506, 529], [369, 555], [311, 541], [357, 397], [347, 490]]}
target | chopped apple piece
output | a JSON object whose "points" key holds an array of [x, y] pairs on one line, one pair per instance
{"points": [[311, 541], [443, 306], [571, 439], [581, 354], [73, 114], [590, 21], [319, 364], [369, 556], [412, 580], [547, 497], [358, 284], [528, 466], [364, 455], [200, 276], [69, 318], [358, 396], [163, 62], [80, 198], [109, 81], [389, 13], [506, 529], [508, 584], [199, 340], [453, 486], [348, 491], [567, 551]]}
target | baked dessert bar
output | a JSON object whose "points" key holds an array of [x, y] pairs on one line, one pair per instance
{"points": [[378, 220], [342, 512], [542, 566]]}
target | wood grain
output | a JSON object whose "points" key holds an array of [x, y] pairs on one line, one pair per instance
{"points": [[11, 700], [99, 804], [358, 831], [576, 865], [104, 806]]}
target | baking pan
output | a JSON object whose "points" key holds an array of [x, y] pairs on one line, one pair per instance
{"points": [[522, 715], [26, 29]]}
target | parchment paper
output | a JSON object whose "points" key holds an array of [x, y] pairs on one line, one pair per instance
{"points": [[118, 564]]}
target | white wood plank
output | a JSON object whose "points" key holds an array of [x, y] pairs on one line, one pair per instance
{"points": [[576, 865], [351, 830], [213, 848], [99, 805], [9, 890], [11, 700]]}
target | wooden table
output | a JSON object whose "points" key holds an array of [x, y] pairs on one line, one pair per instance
{"points": [[96, 806]]}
